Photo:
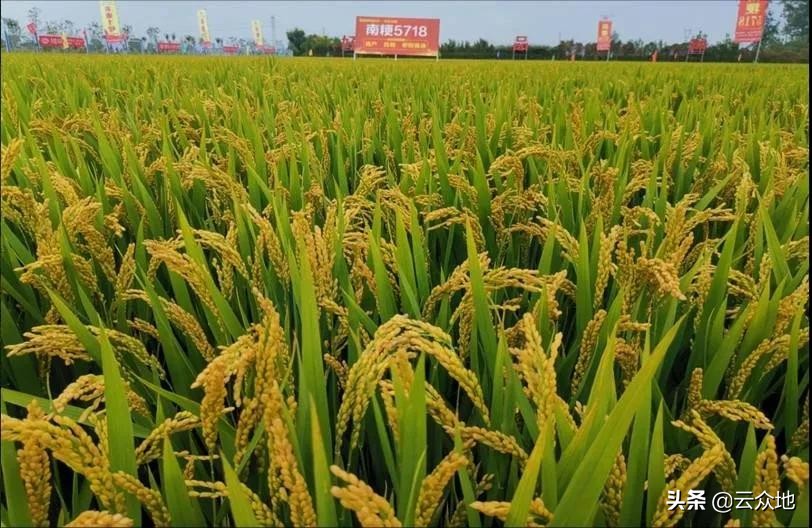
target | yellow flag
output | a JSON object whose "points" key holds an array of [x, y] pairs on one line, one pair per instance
{"points": [[203, 23], [256, 30], [109, 18]]}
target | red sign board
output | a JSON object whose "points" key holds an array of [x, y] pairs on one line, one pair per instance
{"points": [[520, 44], [604, 35], [697, 46], [231, 50], [168, 47], [397, 36], [56, 41], [348, 43], [750, 20], [32, 28]]}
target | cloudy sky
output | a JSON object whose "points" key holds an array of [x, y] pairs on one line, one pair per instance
{"points": [[544, 22]]}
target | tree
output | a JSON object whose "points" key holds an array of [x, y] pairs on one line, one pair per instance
{"points": [[321, 45], [95, 37], [296, 41], [33, 16], [629, 48], [482, 45], [12, 31], [12, 26], [153, 33], [770, 35], [796, 20], [67, 26]]}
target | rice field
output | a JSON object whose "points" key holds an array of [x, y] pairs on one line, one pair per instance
{"points": [[248, 292]]}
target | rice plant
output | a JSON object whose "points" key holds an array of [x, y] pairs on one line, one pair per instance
{"points": [[249, 292]]}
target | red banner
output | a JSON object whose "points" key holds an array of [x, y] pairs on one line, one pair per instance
{"points": [[231, 50], [697, 46], [750, 20], [347, 43], [168, 47], [397, 36], [604, 35], [56, 41], [520, 44]]}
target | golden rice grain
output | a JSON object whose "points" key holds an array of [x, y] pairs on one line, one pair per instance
{"points": [[588, 342], [690, 478], [100, 519], [370, 508], [35, 472], [766, 480], [431, 491], [612, 497], [796, 470]]}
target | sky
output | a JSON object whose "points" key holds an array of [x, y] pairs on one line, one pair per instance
{"points": [[544, 22]]}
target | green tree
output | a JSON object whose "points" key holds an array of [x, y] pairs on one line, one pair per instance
{"points": [[482, 45], [95, 37], [771, 35], [796, 20], [67, 26], [321, 45], [297, 41], [13, 31], [33, 16], [153, 33]]}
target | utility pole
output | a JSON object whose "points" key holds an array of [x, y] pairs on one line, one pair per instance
{"points": [[273, 30]]}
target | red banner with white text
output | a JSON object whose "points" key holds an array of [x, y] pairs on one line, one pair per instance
{"points": [[604, 35], [168, 47], [397, 36], [520, 44], [697, 46], [750, 20], [347, 43], [58, 41]]}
